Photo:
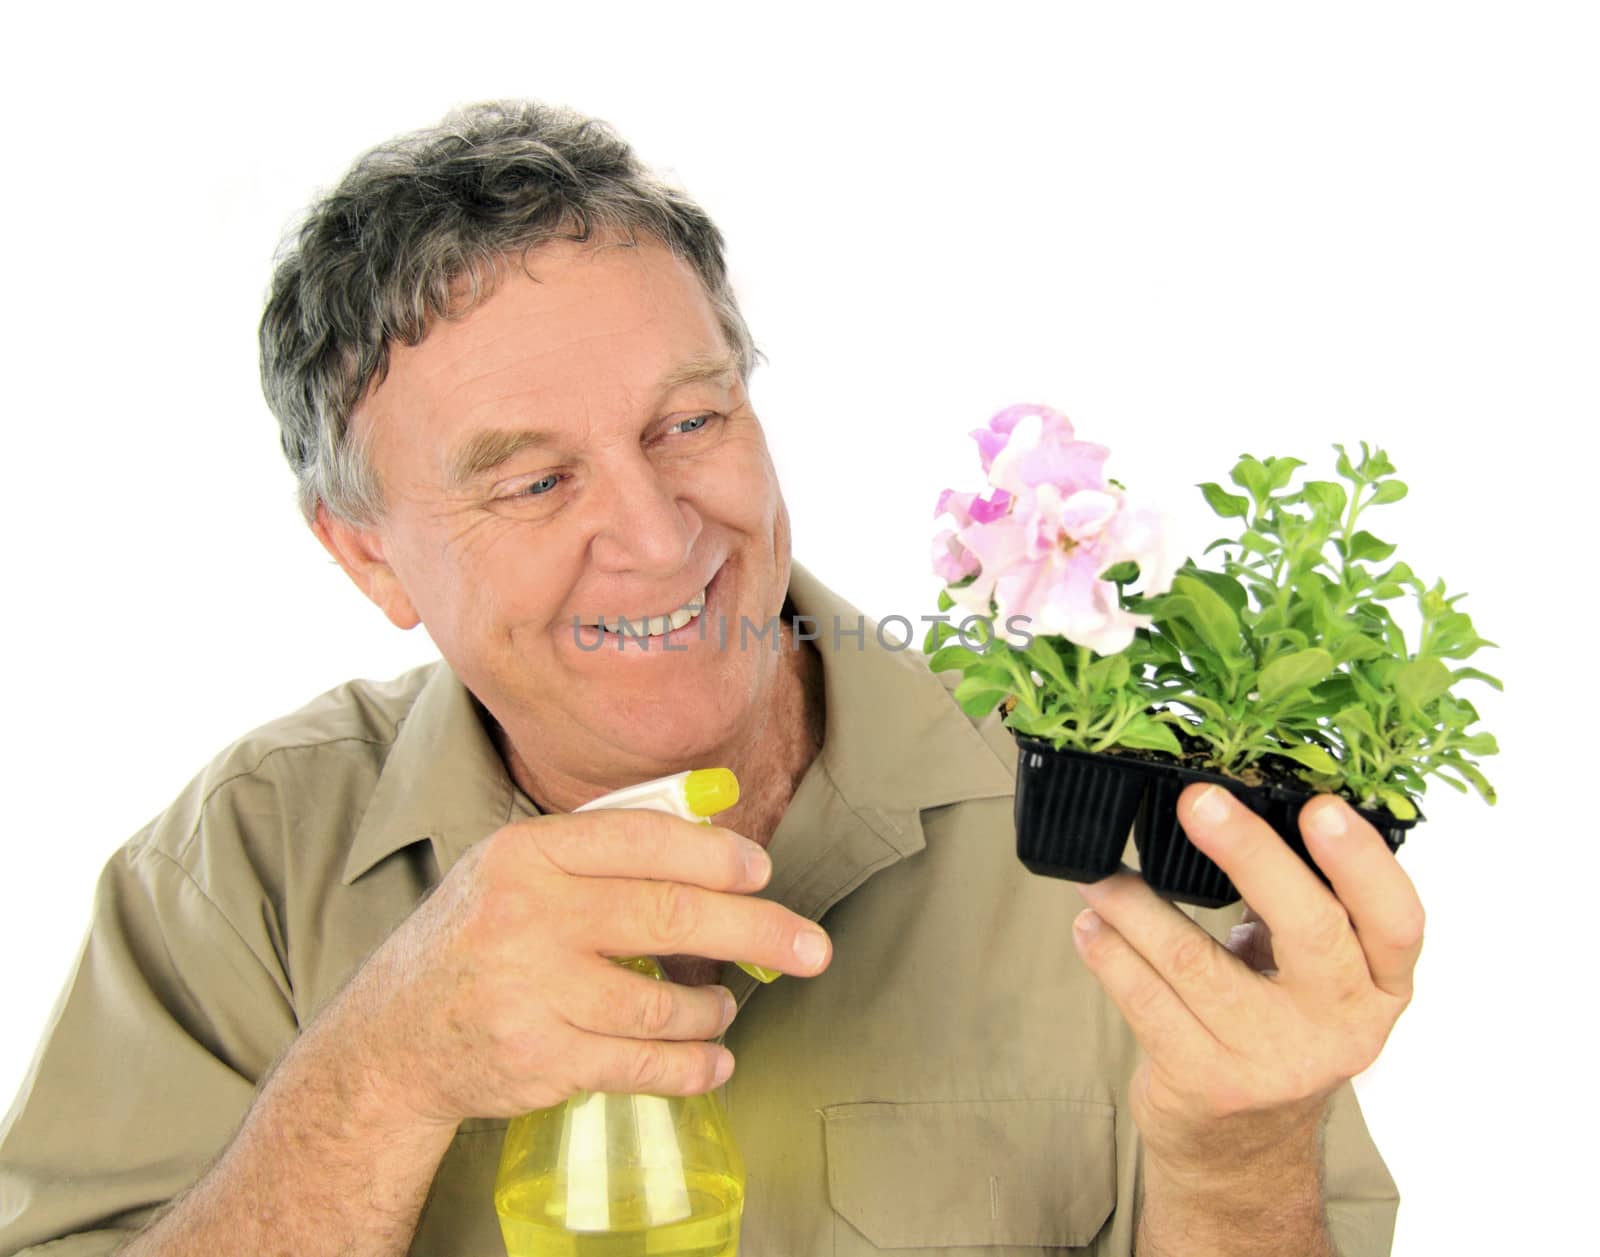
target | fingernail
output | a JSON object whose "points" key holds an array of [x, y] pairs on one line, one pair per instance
{"points": [[730, 1007], [810, 947], [724, 1069], [1325, 821], [1213, 806], [757, 864], [1087, 921]]}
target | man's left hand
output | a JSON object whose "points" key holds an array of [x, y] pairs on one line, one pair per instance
{"points": [[1241, 1057]]}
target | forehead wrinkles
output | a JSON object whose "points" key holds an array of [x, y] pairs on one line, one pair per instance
{"points": [[578, 331], [535, 352]]}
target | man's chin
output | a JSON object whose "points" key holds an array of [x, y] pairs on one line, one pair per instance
{"points": [[670, 739]]}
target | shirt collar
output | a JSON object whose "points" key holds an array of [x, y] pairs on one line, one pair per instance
{"points": [[894, 744]]}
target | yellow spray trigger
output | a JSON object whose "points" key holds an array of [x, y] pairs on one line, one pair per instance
{"points": [[708, 791]]}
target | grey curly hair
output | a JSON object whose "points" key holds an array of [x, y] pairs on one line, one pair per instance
{"points": [[420, 229]]}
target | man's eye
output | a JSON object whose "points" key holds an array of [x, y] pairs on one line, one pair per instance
{"points": [[699, 422], [539, 487]]}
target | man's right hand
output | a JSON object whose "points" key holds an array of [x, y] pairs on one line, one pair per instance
{"points": [[498, 995]]}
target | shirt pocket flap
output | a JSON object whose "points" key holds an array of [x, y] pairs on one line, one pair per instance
{"points": [[973, 1173]]}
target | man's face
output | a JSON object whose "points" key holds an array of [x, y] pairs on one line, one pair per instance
{"points": [[580, 445]]}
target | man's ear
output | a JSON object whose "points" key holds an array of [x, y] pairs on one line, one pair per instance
{"points": [[360, 552]]}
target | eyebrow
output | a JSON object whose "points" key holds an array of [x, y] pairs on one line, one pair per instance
{"points": [[488, 448]]}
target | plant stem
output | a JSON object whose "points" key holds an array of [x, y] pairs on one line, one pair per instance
{"points": [[1022, 683]]}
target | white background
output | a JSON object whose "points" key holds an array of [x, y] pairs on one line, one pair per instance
{"points": [[1200, 230]]}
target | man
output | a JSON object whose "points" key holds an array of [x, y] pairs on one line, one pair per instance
{"points": [[511, 380]]}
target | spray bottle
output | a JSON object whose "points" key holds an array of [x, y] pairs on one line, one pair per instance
{"points": [[607, 1175]]}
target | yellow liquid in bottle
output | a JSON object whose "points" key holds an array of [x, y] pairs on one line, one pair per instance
{"points": [[533, 1221]]}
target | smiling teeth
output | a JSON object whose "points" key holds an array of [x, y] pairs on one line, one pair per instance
{"points": [[655, 625]]}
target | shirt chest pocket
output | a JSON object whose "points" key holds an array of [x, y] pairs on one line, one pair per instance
{"points": [[989, 1178]]}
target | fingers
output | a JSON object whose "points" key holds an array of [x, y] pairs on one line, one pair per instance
{"points": [[1311, 932], [648, 1066], [615, 1001], [637, 843], [671, 918], [1378, 895], [1159, 1019], [645, 883], [1214, 985]]}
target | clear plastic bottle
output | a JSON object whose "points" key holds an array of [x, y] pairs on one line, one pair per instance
{"points": [[608, 1175]]}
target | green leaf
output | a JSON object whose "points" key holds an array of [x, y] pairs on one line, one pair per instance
{"points": [[1480, 783], [992, 670], [1365, 546], [948, 657], [977, 697], [1326, 497], [1312, 757], [1212, 617], [1280, 471], [1342, 466], [1172, 615], [1388, 491], [1164, 608], [1034, 726], [1472, 674], [1400, 574], [939, 632], [1400, 807], [1228, 505], [1121, 573], [945, 600], [1042, 655], [1357, 719], [1420, 681], [1206, 707], [1162, 647], [1294, 637], [1377, 465], [1145, 733], [1255, 543], [1107, 674], [1373, 616], [1480, 744], [1302, 669], [1250, 475], [1357, 646], [1463, 647], [1230, 590]]}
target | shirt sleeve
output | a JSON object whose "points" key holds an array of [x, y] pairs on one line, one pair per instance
{"points": [[1362, 1198], [148, 1063]]}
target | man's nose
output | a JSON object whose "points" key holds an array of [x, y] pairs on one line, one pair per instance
{"points": [[645, 525]]}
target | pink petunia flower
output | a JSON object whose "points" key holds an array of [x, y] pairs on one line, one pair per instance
{"points": [[1050, 526]]}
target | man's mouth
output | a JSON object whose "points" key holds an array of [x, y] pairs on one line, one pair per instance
{"points": [[650, 625], [642, 626]]}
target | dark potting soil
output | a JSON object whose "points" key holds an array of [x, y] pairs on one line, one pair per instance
{"points": [[1269, 770]]}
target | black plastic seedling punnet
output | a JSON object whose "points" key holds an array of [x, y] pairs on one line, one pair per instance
{"points": [[1172, 865], [1074, 810], [1284, 814]]}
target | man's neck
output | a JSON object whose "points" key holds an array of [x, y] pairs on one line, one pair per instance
{"points": [[786, 742]]}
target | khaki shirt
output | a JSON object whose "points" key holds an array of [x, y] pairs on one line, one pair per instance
{"points": [[954, 1084]]}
